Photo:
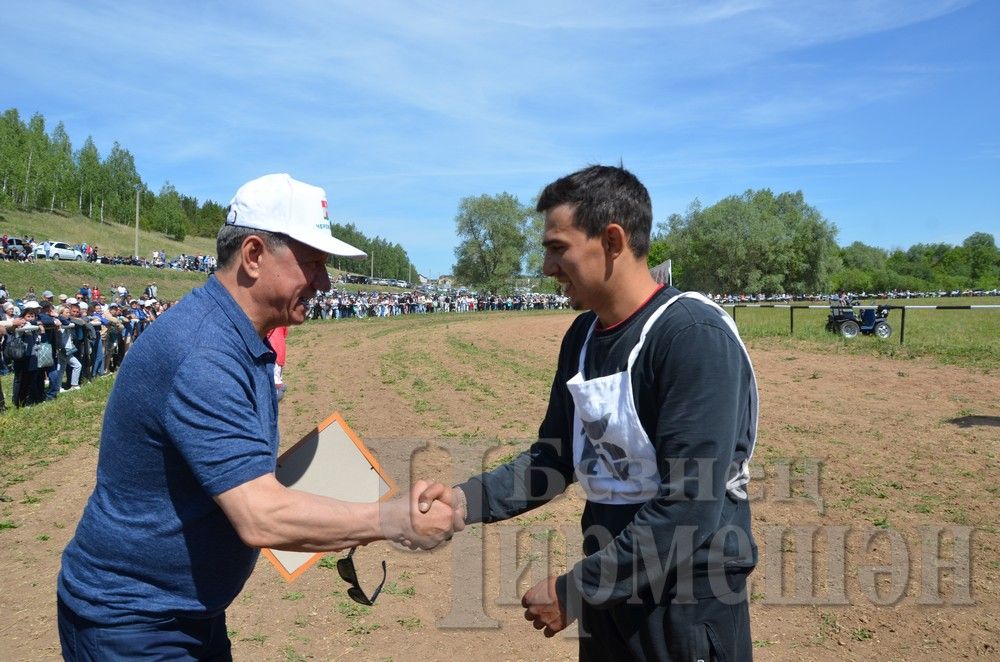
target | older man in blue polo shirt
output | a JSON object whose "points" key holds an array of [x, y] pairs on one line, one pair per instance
{"points": [[186, 494]]}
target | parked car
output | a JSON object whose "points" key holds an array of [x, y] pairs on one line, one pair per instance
{"points": [[59, 250], [17, 245]]}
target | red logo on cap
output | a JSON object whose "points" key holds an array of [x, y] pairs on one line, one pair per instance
{"points": [[326, 214]]}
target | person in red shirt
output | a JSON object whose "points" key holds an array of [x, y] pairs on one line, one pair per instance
{"points": [[277, 340]]}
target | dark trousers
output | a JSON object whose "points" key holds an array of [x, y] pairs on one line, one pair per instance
{"points": [[710, 628], [29, 387], [165, 639]]}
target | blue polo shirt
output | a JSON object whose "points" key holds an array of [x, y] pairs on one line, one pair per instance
{"points": [[192, 414]]}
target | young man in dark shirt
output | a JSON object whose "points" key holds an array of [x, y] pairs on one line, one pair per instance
{"points": [[653, 409]]}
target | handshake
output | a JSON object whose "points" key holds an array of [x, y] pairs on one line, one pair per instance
{"points": [[428, 516], [431, 514]]}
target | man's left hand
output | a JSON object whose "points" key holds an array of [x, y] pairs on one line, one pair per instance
{"points": [[542, 607]]}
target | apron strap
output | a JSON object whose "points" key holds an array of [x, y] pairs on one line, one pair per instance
{"points": [[586, 343], [736, 484], [634, 354]]}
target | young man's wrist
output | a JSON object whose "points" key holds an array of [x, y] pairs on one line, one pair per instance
{"points": [[460, 504]]}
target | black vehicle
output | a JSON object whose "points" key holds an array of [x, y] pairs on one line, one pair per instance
{"points": [[842, 320], [356, 279]]}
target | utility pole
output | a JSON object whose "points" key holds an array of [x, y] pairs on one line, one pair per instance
{"points": [[26, 175], [137, 221]]}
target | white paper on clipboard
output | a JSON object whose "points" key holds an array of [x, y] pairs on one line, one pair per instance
{"points": [[330, 461]]}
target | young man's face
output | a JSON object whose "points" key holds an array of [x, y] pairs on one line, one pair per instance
{"points": [[578, 262]]}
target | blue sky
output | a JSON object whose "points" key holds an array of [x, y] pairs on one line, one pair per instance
{"points": [[883, 112]]}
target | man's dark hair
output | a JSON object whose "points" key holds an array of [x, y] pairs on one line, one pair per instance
{"points": [[602, 195], [230, 238]]}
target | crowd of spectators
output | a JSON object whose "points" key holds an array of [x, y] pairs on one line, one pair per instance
{"points": [[54, 344], [88, 333], [57, 343], [853, 296], [339, 304]]}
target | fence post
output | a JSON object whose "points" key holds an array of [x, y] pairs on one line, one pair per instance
{"points": [[791, 320], [734, 313], [902, 325]]}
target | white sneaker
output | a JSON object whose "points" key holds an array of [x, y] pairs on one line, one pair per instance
{"points": [[74, 388], [64, 390]]}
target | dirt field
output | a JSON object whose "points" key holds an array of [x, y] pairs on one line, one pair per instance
{"points": [[893, 471]]}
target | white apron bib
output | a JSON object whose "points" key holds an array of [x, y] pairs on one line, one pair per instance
{"points": [[615, 461]]}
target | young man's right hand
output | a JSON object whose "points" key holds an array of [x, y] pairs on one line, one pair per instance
{"points": [[419, 521]]}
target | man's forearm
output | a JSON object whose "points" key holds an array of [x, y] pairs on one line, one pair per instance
{"points": [[267, 514], [526, 482]]}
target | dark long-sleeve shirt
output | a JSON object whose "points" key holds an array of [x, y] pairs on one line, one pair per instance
{"points": [[692, 386]]}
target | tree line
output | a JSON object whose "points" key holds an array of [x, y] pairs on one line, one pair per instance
{"points": [[41, 170], [385, 259], [755, 242]]}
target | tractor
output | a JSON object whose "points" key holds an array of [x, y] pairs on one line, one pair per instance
{"points": [[842, 320]]}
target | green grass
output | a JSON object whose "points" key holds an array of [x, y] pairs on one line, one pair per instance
{"points": [[67, 277], [32, 437], [411, 623], [969, 338], [110, 238], [392, 588], [862, 634]]}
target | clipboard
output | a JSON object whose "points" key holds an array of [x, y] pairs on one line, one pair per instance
{"points": [[330, 461]]}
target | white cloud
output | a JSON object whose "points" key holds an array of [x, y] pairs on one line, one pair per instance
{"points": [[418, 103]]}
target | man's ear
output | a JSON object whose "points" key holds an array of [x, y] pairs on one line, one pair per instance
{"points": [[251, 251], [615, 240]]}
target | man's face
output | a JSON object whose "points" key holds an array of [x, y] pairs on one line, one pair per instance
{"points": [[74, 310], [575, 260], [292, 276]]}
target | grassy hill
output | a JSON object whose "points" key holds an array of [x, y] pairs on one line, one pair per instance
{"points": [[66, 278], [110, 238]]}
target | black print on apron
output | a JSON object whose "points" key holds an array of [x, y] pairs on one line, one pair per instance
{"points": [[614, 458]]}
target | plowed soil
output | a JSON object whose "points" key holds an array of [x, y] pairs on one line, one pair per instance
{"points": [[867, 470]]}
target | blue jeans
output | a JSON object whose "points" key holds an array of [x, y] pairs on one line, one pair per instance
{"points": [[97, 353], [165, 639], [55, 376]]}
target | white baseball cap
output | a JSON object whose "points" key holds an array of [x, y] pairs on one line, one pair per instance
{"points": [[278, 203], [31, 305]]}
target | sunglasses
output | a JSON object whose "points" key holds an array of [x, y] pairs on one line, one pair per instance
{"points": [[345, 567]]}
